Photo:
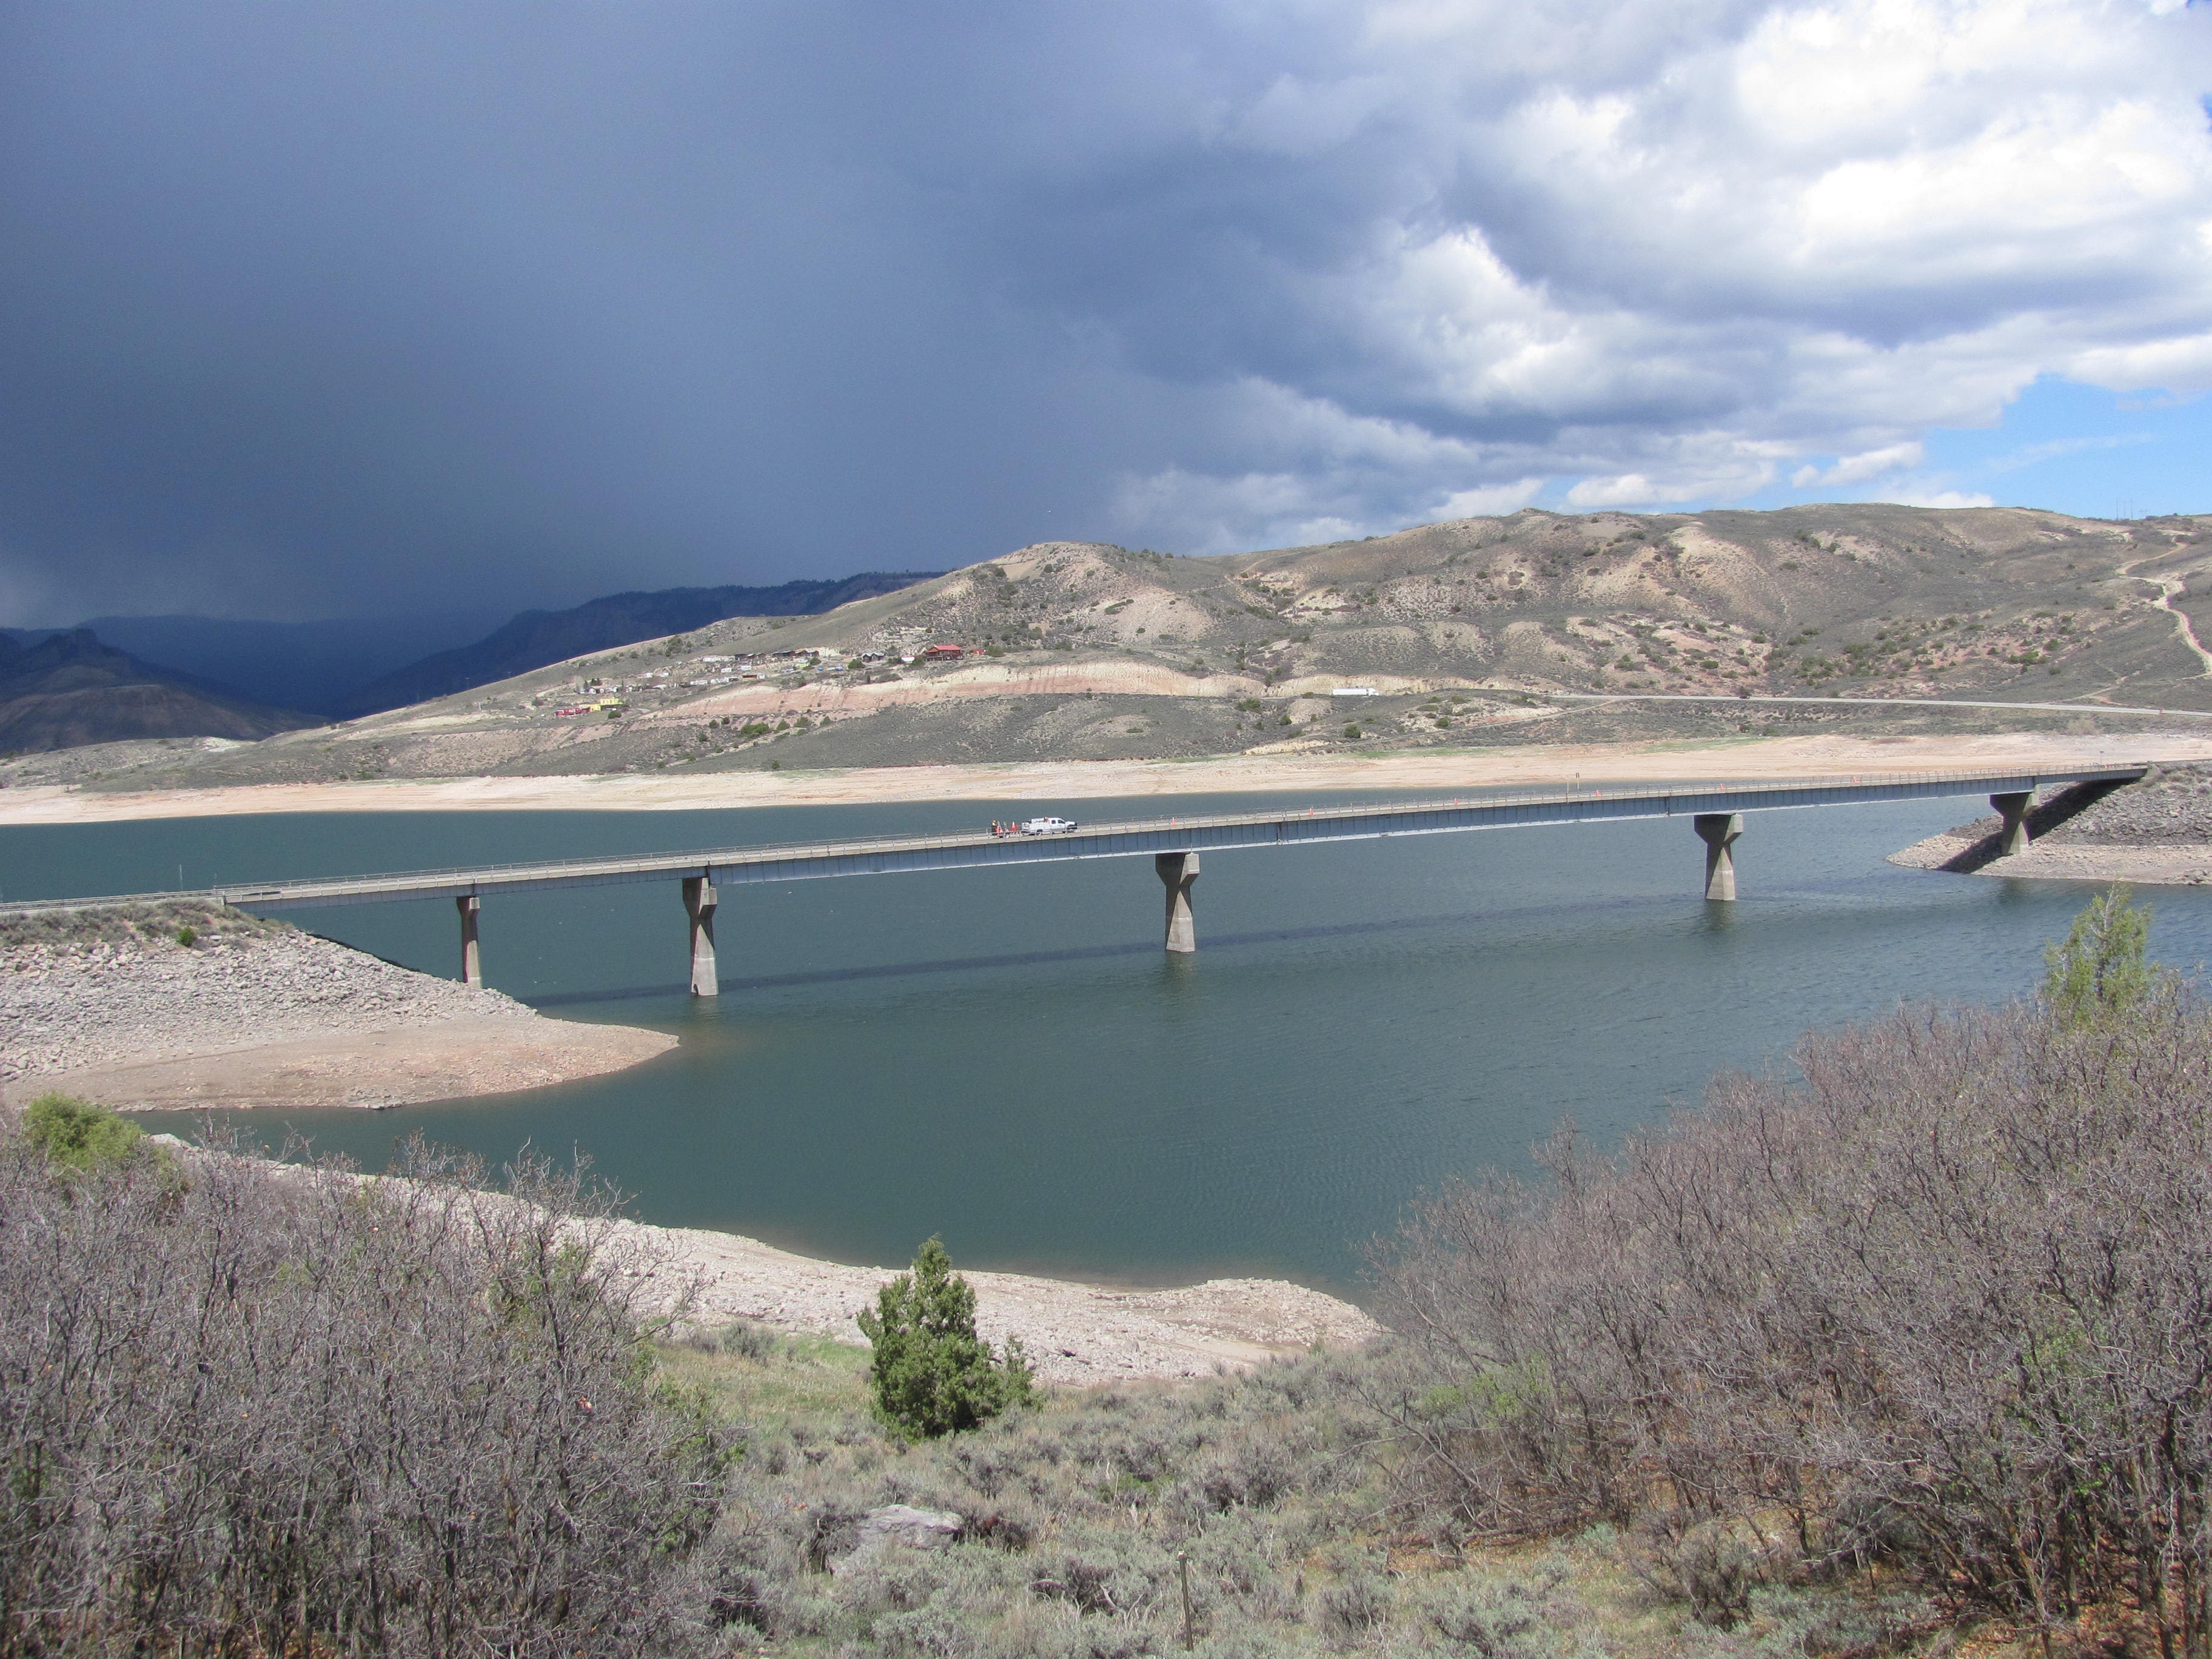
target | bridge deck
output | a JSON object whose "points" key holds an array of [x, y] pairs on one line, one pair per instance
{"points": [[885, 855], [739, 866]]}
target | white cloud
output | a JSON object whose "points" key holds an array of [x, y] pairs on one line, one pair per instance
{"points": [[1494, 501], [2178, 365], [1654, 253], [1201, 513], [1942, 498], [1857, 469]]}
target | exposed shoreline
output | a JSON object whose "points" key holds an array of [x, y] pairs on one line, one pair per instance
{"points": [[109, 1005], [1060, 781], [2138, 867], [1074, 1332], [2156, 832]]}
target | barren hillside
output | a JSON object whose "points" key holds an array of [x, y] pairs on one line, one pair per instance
{"points": [[1481, 631]]}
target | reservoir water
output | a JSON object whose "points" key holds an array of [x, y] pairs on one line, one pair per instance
{"points": [[1006, 1057]]}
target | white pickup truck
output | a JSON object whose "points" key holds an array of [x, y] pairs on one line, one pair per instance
{"points": [[1049, 827]]}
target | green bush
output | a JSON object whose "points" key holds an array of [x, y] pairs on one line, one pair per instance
{"points": [[2103, 971], [78, 1135], [932, 1375]]}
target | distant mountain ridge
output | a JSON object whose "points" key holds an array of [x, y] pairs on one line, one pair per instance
{"points": [[342, 667], [70, 689], [310, 665], [535, 638]]}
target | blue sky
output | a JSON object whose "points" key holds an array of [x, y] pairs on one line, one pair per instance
{"points": [[315, 309], [2061, 446], [2083, 450]]}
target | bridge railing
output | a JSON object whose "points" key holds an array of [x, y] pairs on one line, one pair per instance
{"points": [[1961, 781], [781, 852]]}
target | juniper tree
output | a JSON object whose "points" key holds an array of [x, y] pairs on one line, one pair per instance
{"points": [[2103, 970], [931, 1374]]}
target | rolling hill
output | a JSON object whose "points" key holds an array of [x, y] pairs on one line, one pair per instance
{"points": [[1537, 626]]}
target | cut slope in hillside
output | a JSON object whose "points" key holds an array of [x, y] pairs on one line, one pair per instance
{"points": [[70, 690]]}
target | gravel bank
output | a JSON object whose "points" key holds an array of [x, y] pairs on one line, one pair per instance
{"points": [[2155, 833], [114, 1005], [1074, 1333]]}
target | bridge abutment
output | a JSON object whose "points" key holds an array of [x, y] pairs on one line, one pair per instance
{"points": [[2013, 807], [471, 958], [1719, 831], [1178, 870], [699, 903]]}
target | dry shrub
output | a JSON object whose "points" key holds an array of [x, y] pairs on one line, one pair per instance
{"points": [[1949, 1303], [140, 925], [250, 1412]]}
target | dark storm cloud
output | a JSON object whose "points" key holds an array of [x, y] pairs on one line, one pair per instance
{"points": [[307, 309], [358, 305]]}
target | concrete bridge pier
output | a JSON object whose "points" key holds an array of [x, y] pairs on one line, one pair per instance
{"points": [[1178, 870], [1719, 831], [2013, 838], [472, 960], [699, 902]]}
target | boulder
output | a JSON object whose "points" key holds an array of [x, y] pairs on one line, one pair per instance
{"points": [[901, 1526]]}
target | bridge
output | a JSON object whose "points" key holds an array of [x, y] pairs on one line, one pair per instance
{"points": [[1715, 811]]}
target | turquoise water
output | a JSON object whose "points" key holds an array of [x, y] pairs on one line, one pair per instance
{"points": [[1006, 1057]]}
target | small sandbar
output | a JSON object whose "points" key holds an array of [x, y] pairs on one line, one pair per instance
{"points": [[115, 1005], [406, 1066]]}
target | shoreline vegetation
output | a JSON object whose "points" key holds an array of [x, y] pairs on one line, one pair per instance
{"points": [[1906, 1356], [1533, 765]]}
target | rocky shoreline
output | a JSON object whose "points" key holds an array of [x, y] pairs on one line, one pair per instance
{"points": [[2156, 833], [1074, 1333], [188, 1003]]}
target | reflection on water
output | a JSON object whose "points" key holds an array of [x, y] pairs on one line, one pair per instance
{"points": [[1006, 1056]]}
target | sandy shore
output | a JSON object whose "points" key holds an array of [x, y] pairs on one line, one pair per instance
{"points": [[110, 1005], [1074, 1333], [1048, 782], [2139, 866], [2153, 833], [401, 1066]]}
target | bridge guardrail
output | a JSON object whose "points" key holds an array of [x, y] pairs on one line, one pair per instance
{"points": [[298, 890]]}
